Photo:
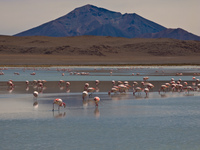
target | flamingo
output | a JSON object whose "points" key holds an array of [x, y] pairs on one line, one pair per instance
{"points": [[162, 88], [96, 100], [137, 89], [60, 82], [10, 86], [167, 85], [198, 86], [113, 82], [67, 84], [34, 82], [189, 88], [35, 94], [145, 78], [90, 90], [16, 73], [135, 83], [84, 94], [27, 82], [113, 90], [86, 86], [97, 82], [40, 85], [33, 73], [146, 90], [59, 102], [122, 88]]}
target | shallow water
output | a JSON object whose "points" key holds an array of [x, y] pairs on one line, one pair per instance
{"points": [[163, 121], [120, 122], [100, 73]]}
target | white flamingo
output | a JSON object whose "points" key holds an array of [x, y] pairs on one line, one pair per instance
{"points": [[84, 94], [35, 94], [146, 90]]}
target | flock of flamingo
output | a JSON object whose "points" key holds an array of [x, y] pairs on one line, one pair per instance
{"points": [[118, 87], [86, 92]]}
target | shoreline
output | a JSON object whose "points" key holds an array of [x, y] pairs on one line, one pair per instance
{"points": [[102, 65]]}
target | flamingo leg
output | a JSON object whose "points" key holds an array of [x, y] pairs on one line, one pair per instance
{"points": [[53, 107]]}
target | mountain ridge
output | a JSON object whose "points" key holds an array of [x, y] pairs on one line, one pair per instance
{"points": [[93, 20], [88, 18]]}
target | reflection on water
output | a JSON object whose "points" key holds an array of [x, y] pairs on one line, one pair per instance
{"points": [[97, 112], [165, 120], [59, 114], [123, 117], [35, 104]]}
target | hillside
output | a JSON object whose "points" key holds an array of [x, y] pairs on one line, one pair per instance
{"points": [[98, 48]]}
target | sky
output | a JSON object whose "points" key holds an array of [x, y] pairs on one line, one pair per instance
{"points": [[20, 15]]}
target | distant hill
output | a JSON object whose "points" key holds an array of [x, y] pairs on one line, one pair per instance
{"points": [[92, 20], [98, 46], [96, 50], [172, 33]]}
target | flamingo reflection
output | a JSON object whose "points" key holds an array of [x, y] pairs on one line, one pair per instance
{"points": [[97, 112], [59, 115]]}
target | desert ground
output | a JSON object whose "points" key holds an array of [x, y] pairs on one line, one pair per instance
{"points": [[93, 50]]}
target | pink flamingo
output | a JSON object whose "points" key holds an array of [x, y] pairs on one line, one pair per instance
{"points": [[122, 88], [59, 102], [90, 90], [113, 90], [10, 84], [96, 100], [33, 73], [162, 88], [137, 89]]}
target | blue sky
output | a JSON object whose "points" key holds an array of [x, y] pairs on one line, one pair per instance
{"points": [[20, 15]]}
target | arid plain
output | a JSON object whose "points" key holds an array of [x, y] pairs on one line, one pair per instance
{"points": [[97, 50]]}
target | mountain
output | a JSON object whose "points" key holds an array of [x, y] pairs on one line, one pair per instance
{"points": [[92, 20], [172, 33]]}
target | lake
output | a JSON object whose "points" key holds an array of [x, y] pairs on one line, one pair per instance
{"points": [[165, 121]]}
